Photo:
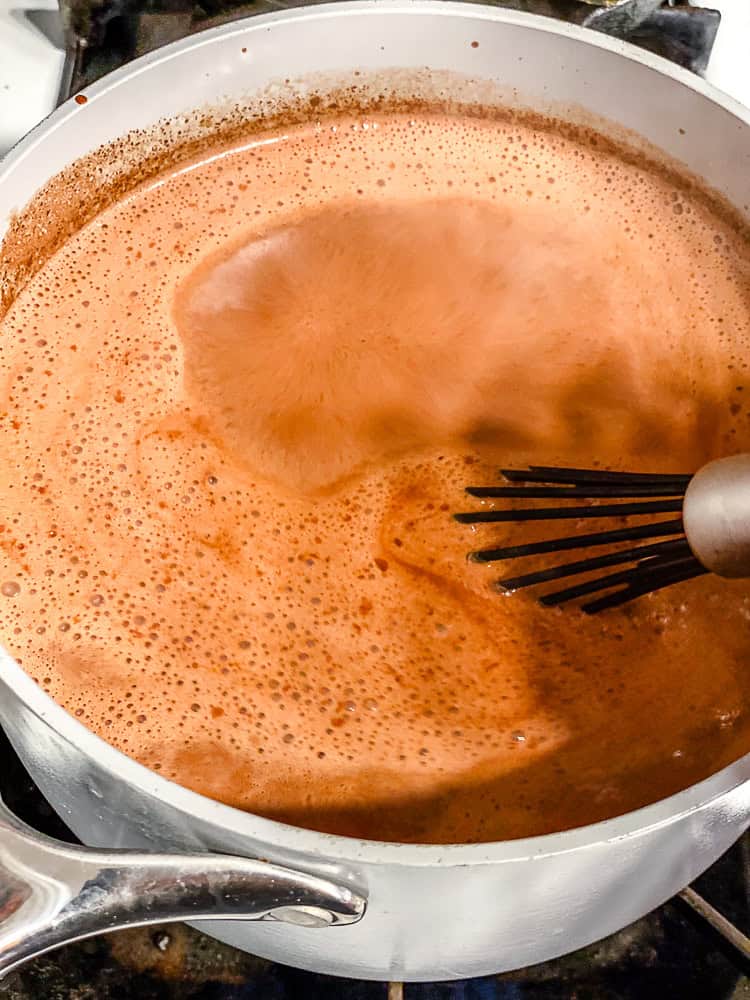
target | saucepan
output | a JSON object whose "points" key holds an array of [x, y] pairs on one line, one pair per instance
{"points": [[156, 851]]}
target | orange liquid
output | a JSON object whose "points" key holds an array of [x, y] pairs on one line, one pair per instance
{"points": [[239, 410]]}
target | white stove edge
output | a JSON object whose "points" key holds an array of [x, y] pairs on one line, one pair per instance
{"points": [[31, 65], [30, 70]]}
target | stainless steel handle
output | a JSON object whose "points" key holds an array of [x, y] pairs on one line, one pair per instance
{"points": [[53, 893]]}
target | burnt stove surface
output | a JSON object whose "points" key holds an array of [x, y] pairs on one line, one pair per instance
{"points": [[672, 952]]}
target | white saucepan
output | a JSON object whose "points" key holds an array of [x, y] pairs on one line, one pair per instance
{"points": [[332, 904]]}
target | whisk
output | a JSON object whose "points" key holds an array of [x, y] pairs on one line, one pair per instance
{"points": [[711, 533]]}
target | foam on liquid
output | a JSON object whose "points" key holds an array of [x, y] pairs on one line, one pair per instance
{"points": [[239, 408]]}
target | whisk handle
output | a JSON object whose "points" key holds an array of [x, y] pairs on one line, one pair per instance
{"points": [[716, 516]]}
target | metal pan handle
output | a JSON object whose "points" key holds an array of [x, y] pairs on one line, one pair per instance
{"points": [[53, 893]]}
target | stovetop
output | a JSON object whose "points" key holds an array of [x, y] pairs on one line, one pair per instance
{"points": [[672, 951]]}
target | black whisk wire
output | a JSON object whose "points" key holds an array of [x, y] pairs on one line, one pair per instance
{"points": [[672, 549], [570, 513], [657, 530], [654, 565]]}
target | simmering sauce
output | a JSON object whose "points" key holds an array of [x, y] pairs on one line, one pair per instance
{"points": [[238, 409]]}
